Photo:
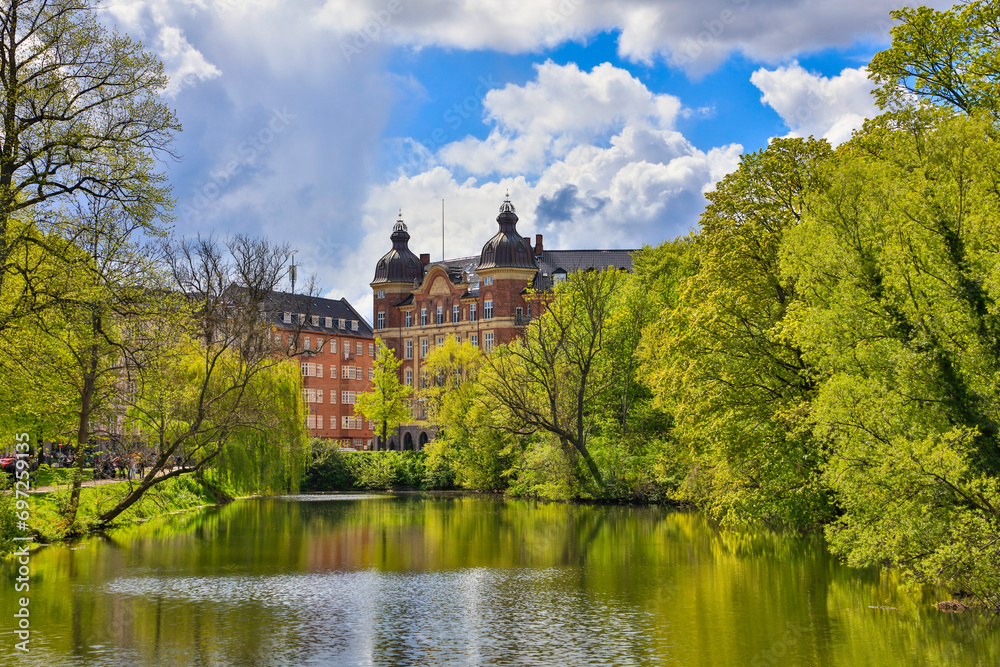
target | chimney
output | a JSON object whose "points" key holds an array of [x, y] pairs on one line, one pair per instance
{"points": [[538, 245], [425, 258]]}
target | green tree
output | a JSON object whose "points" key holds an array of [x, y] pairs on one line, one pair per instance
{"points": [[550, 380], [947, 57], [900, 259], [216, 380], [468, 444], [388, 403], [81, 117], [727, 371]]}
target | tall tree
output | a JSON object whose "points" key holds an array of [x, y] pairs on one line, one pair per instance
{"points": [[550, 380], [900, 259], [81, 117], [735, 384], [947, 57], [388, 403], [218, 380]]}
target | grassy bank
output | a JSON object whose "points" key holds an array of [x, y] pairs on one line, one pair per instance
{"points": [[174, 495]]}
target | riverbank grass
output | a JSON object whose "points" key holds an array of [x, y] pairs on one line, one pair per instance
{"points": [[174, 495]]}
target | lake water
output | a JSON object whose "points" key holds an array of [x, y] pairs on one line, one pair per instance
{"points": [[405, 580]]}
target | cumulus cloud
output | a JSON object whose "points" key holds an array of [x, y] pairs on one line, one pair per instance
{"points": [[814, 105], [622, 177], [694, 35]]}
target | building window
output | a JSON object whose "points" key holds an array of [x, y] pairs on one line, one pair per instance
{"points": [[409, 378], [409, 349], [360, 348], [380, 321], [423, 348], [488, 309], [319, 395], [440, 341], [307, 343], [328, 322], [319, 370], [315, 320], [474, 340], [472, 312], [380, 294], [301, 318], [371, 374], [423, 317], [354, 325], [286, 318], [456, 313], [488, 342], [519, 311], [458, 338], [333, 345], [409, 319], [439, 318], [341, 322], [319, 420], [371, 349]]}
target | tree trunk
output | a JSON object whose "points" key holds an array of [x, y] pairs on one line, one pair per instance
{"points": [[82, 437]]}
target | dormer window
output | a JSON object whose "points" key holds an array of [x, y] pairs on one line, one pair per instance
{"points": [[302, 318], [558, 276], [286, 318], [341, 323], [354, 325], [329, 322], [315, 320]]}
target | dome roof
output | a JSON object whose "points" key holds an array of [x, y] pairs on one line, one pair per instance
{"points": [[399, 265], [507, 249]]}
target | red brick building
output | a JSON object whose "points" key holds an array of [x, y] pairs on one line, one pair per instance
{"points": [[336, 352], [481, 299]]}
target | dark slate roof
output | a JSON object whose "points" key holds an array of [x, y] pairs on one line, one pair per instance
{"points": [[507, 249], [399, 265], [337, 309], [569, 261]]}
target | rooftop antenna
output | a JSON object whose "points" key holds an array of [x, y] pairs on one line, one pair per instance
{"points": [[292, 271]]}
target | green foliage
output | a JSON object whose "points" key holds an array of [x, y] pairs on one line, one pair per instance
{"points": [[8, 516], [48, 524], [724, 367], [387, 404], [269, 456], [333, 470], [947, 57], [900, 257]]}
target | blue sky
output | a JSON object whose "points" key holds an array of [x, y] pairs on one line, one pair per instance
{"points": [[315, 121]]}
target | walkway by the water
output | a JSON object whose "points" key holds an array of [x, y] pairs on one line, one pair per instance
{"points": [[92, 482]]}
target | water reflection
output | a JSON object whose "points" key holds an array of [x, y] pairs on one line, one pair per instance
{"points": [[464, 580]]}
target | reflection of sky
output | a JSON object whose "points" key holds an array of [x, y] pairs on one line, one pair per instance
{"points": [[475, 616]]}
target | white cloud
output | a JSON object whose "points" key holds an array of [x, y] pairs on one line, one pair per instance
{"points": [[625, 178], [695, 35], [563, 108], [813, 105]]}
